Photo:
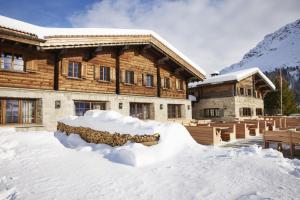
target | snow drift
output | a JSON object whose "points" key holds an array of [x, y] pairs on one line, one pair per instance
{"points": [[173, 137]]}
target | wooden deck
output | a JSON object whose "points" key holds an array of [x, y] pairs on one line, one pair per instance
{"points": [[212, 133]]}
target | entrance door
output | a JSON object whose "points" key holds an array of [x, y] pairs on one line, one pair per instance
{"points": [[12, 111]]}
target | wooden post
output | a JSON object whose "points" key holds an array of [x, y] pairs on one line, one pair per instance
{"points": [[118, 51], [158, 80], [56, 71], [187, 88]]}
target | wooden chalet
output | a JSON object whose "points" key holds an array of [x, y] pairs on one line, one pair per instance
{"points": [[48, 73], [230, 96]]}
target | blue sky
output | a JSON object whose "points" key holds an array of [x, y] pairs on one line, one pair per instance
{"points": [[44, 12], [213, 33]]}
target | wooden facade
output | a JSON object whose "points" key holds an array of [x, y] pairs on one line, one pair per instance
{"points": [[39, 71], [38, 68], [140, 67], [246, 87]]}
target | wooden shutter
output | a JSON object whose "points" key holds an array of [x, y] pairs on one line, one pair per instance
{"points": [[144, 79], [122, 75], [154, 80], [176, 84], [97, 72], [64, 67], [39, 113], [241, 112], [135, 81], [31, 65], [112, 74], [162, 82], [84, 68], [184, 85]]}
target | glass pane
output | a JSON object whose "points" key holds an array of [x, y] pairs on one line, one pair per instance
{"points": [[28, 111], [70, 69], [7, 60], [12, 111], [18, 63]]}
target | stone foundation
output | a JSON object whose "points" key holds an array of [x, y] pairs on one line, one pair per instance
{"points": [[103, 137]]}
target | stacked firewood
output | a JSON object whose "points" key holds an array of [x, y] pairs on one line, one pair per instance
{"points": [[103, 137]]}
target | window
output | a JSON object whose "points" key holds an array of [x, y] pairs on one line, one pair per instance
{"points": [[129, 77], [82, 106], [242, 91], [166, 83], [104, 73], [149, 80], [74, 70], [244, 112], [141, 110], [174, 110], [212, 112], [18, 111], [259, 112], [179, 84], [11, 61], [249, 92]]}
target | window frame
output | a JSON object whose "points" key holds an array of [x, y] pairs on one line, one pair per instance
{"points": [[167, 83], [12, 63], [129, 77], [151, 80], [212, 112], [90, 105], [246, 112], [21, 107], [79, 64], [104, 70], [260, 113], [174, 111]]}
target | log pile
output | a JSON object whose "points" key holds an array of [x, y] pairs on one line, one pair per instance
{"points": [[103, 137]]}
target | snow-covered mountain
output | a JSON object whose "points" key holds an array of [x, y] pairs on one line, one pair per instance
{"points": [[280, 49]]}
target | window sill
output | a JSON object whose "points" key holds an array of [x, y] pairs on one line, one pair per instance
{"points": [[13, 71], [129, 84], [74, 78], [149, 87], [103, 81], [166, 88], [22, 125]]}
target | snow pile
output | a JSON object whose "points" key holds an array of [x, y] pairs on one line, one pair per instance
{"points": [[173, 137], [234, 76], [43, 168]]}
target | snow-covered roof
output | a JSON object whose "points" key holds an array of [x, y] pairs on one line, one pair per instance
{"points": [[46, 32], [234, 76]]}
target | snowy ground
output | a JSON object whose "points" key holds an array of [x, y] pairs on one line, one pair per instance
{"points": [[44, 165]]}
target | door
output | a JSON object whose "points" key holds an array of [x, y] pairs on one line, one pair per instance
{"points": [[12, 111]]}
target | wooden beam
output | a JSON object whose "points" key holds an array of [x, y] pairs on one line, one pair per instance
{"points": [[56, 70], [124, 48], [118, 53], [158, 81], [163, 60]]}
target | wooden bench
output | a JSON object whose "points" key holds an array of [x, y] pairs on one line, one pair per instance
{"points": [[253, 126], [280, 137], [292, 122], [228, 130], [205, 135]]}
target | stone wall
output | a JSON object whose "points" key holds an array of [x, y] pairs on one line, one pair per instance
{"points": [[249, 102], [103, 137], [229, 105], [50, 115]]}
